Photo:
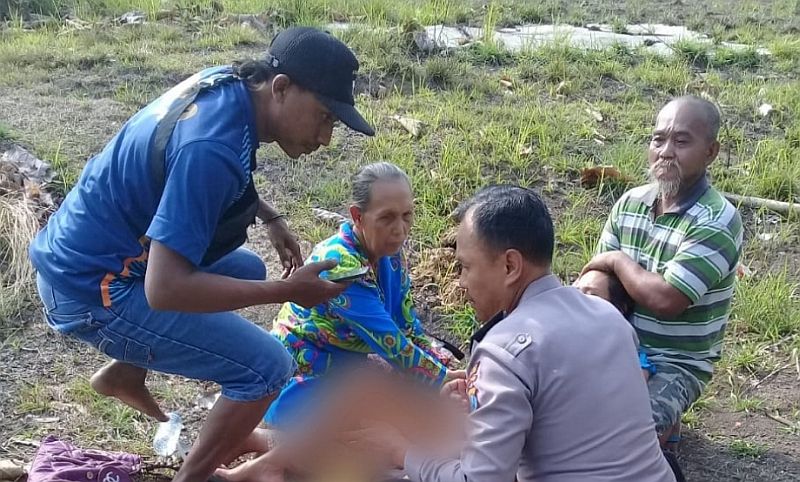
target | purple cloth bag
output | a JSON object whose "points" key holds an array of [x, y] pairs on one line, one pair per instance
{"points": [[59, 461]]}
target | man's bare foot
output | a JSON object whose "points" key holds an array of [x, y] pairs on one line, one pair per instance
{"points": [[261, 469], [126, 383]]}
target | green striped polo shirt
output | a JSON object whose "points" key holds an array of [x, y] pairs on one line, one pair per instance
{"points": [[696, 249]]}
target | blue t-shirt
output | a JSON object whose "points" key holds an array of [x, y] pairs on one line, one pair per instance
{"points": [[95, 246]]}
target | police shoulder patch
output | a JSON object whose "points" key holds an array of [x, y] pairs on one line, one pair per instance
{"points": [[519, 343]]}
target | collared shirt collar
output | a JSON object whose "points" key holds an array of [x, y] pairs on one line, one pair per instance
{"points": [[545, 283]]}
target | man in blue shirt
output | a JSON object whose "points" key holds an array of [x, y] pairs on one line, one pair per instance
{"points": [[143, 260]]}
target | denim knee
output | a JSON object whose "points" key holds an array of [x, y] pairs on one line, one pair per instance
{"points": [[241, 264]]}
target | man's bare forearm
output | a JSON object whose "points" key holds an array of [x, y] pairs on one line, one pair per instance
{"points": [[201, 292], [648, 289]]}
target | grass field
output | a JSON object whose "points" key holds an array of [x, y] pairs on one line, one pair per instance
{"points": [[535, 117]]}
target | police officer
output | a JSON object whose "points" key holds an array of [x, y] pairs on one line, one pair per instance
{"points": [[143, 260], [554, 388]]}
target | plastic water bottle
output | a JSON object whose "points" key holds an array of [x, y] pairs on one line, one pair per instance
{"points": [[167, 440]]}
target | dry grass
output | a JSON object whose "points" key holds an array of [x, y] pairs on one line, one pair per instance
{"points": [[437, 269], [18, 225]]}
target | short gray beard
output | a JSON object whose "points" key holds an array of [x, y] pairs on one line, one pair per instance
{"points": [[666, 188]]}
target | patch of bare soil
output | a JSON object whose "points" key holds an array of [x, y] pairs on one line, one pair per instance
{"points": [[704, 459], [68, 127]]}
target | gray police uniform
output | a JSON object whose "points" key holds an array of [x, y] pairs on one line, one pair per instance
{"points": [[556, 395]]}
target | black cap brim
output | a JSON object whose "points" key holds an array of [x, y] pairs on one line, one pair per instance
{"points": [[348, 115]]}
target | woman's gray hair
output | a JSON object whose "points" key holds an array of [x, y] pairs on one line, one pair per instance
{"points": [[371, 173]]}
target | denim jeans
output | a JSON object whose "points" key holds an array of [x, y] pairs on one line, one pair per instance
{"points": [[245, 359]]}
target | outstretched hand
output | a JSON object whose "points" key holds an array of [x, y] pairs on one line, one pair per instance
{"points": [[285, 243]]}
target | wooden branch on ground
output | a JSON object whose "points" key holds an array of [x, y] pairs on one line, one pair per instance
{"points": [[328, 216], [756, 202], [25, 442], [782, 341], [772, 374], [780, 419]]}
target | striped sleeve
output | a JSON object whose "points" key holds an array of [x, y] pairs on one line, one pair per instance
{"points": [[707, 255]]}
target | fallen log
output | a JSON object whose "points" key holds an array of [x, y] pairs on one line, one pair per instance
{"points": [[756, 202]]}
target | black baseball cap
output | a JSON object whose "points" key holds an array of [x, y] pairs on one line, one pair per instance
{"points": [[319, 62]]}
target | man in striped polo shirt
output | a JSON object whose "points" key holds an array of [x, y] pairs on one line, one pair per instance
{"points": [[675, 244]]}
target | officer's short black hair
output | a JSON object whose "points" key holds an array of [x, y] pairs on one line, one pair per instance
{"points": [[511, 217]]}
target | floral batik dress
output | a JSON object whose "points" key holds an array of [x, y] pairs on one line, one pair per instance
{"points": [[374, 316]]}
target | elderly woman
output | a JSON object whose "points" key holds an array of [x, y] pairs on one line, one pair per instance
{"points": [[375, 314]]}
